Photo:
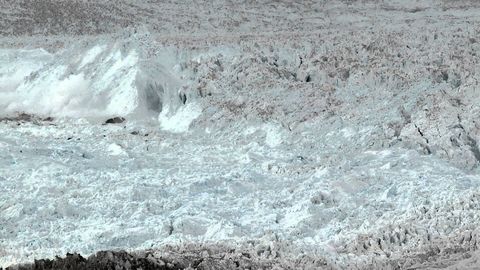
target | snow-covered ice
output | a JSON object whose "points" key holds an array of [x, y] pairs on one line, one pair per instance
{"points": [[105, 188], [317, 134]]}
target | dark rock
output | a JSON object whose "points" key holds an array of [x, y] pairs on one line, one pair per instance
{"points": [[107, 260], [25, 117], [174, 258], [183, 98], [308, 78], [115, 120]]}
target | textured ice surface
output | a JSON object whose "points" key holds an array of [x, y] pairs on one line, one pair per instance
{"points": [[77, 187], [345, 132]]}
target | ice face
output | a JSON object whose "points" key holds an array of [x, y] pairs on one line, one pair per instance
{"points": [[94, 83]]}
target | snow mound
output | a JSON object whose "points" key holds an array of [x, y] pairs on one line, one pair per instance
{"points": [[96, 82]]}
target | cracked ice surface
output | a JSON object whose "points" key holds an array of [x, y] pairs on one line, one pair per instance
{"points": [[325, 138], [105, 188]]}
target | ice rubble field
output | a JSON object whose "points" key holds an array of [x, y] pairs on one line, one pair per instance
{"points": [[106, 189], [75, 185], [351, 146]]}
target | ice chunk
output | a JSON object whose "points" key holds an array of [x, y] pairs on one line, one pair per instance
{"points": [[179, 121]]}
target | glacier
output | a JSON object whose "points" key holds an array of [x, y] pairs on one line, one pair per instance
{"points": [[342, 136]]}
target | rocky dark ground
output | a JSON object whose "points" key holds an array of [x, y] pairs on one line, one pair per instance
{"points": [[175, 258]]}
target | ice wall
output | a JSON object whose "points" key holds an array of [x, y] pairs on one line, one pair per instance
{"points": [[96, 82]]}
